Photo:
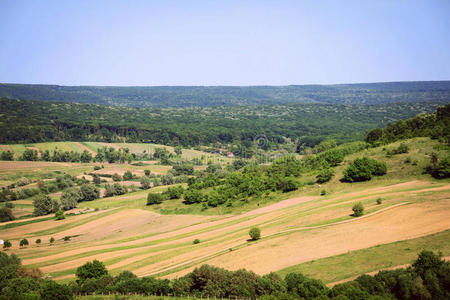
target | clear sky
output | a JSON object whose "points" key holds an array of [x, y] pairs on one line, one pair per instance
{"points": [[223, 42]]}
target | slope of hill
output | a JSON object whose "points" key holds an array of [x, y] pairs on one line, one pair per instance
{"points": [[183, 96]]}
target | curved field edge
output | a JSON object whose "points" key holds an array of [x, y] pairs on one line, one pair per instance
{"points": [[358, 262]]}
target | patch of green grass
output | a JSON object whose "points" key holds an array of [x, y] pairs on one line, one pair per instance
{"points": [[358, 262], [17, 224]]}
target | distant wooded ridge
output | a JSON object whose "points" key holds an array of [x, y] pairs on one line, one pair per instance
{"points": [[185, 96]]}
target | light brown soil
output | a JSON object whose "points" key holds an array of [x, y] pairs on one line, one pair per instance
{"points": [[5, 148], [13, 165], [405, 222]]}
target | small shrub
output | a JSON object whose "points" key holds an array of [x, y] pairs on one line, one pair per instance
{"points": [[358, 209], [145, 183], [6, 214], [323, 193], [255, 233], [23, 181], [24, 243], [7, 244], [38, 241], [147, 172], [96, 168], [127, 175], [52, 240], [196, 241], [116, 177], [60, 215], [379, 200], [66, 238]]}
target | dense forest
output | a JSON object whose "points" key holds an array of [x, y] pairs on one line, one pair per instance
{"points": [[435, 125], [185, 96], [27, 121]]}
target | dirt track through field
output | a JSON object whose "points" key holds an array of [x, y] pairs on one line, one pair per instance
{"points": [[83, 147]]}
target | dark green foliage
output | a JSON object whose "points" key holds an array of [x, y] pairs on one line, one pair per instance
{"points": [[183, 169], [145, 183], [66, 238], [51, 290], [60, 215], [52, 240], [6, 244], [254, 233], [428, 278], [44, 205], [178, 150], [435, 125], [351, 290], [6, 214], [325, 175], [194, 96], [358, 209], [23, 243], [7, 155], [154, 198], [362, 169], [174, 192], [309, 124], [29, 155], [89, 192], [147, 172], [94, 269], [127, 175], [70, 198], [192, 196], [38, 241], [196, 241], [440, 169]]}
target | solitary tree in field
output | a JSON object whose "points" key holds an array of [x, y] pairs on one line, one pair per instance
{"points": [[358, 209], [255, 233], [7, 244], [52, 240], [38, 241], [24, 243]]}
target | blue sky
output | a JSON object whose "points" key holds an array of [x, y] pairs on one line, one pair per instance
{"points": [[223, 42]]}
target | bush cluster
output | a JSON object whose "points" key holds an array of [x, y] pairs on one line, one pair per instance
{"points": [[363, 169]]}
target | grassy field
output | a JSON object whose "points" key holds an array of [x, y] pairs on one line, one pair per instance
{"points": [[301, 230]]}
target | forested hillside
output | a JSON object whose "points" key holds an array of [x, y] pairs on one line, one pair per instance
{"points": [[303, 124], [183, 96]]}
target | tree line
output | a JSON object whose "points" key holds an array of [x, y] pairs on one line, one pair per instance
{"points": [[427, 278]]}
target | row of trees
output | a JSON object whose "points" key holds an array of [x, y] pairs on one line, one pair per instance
{"points": [[427, 278]]}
